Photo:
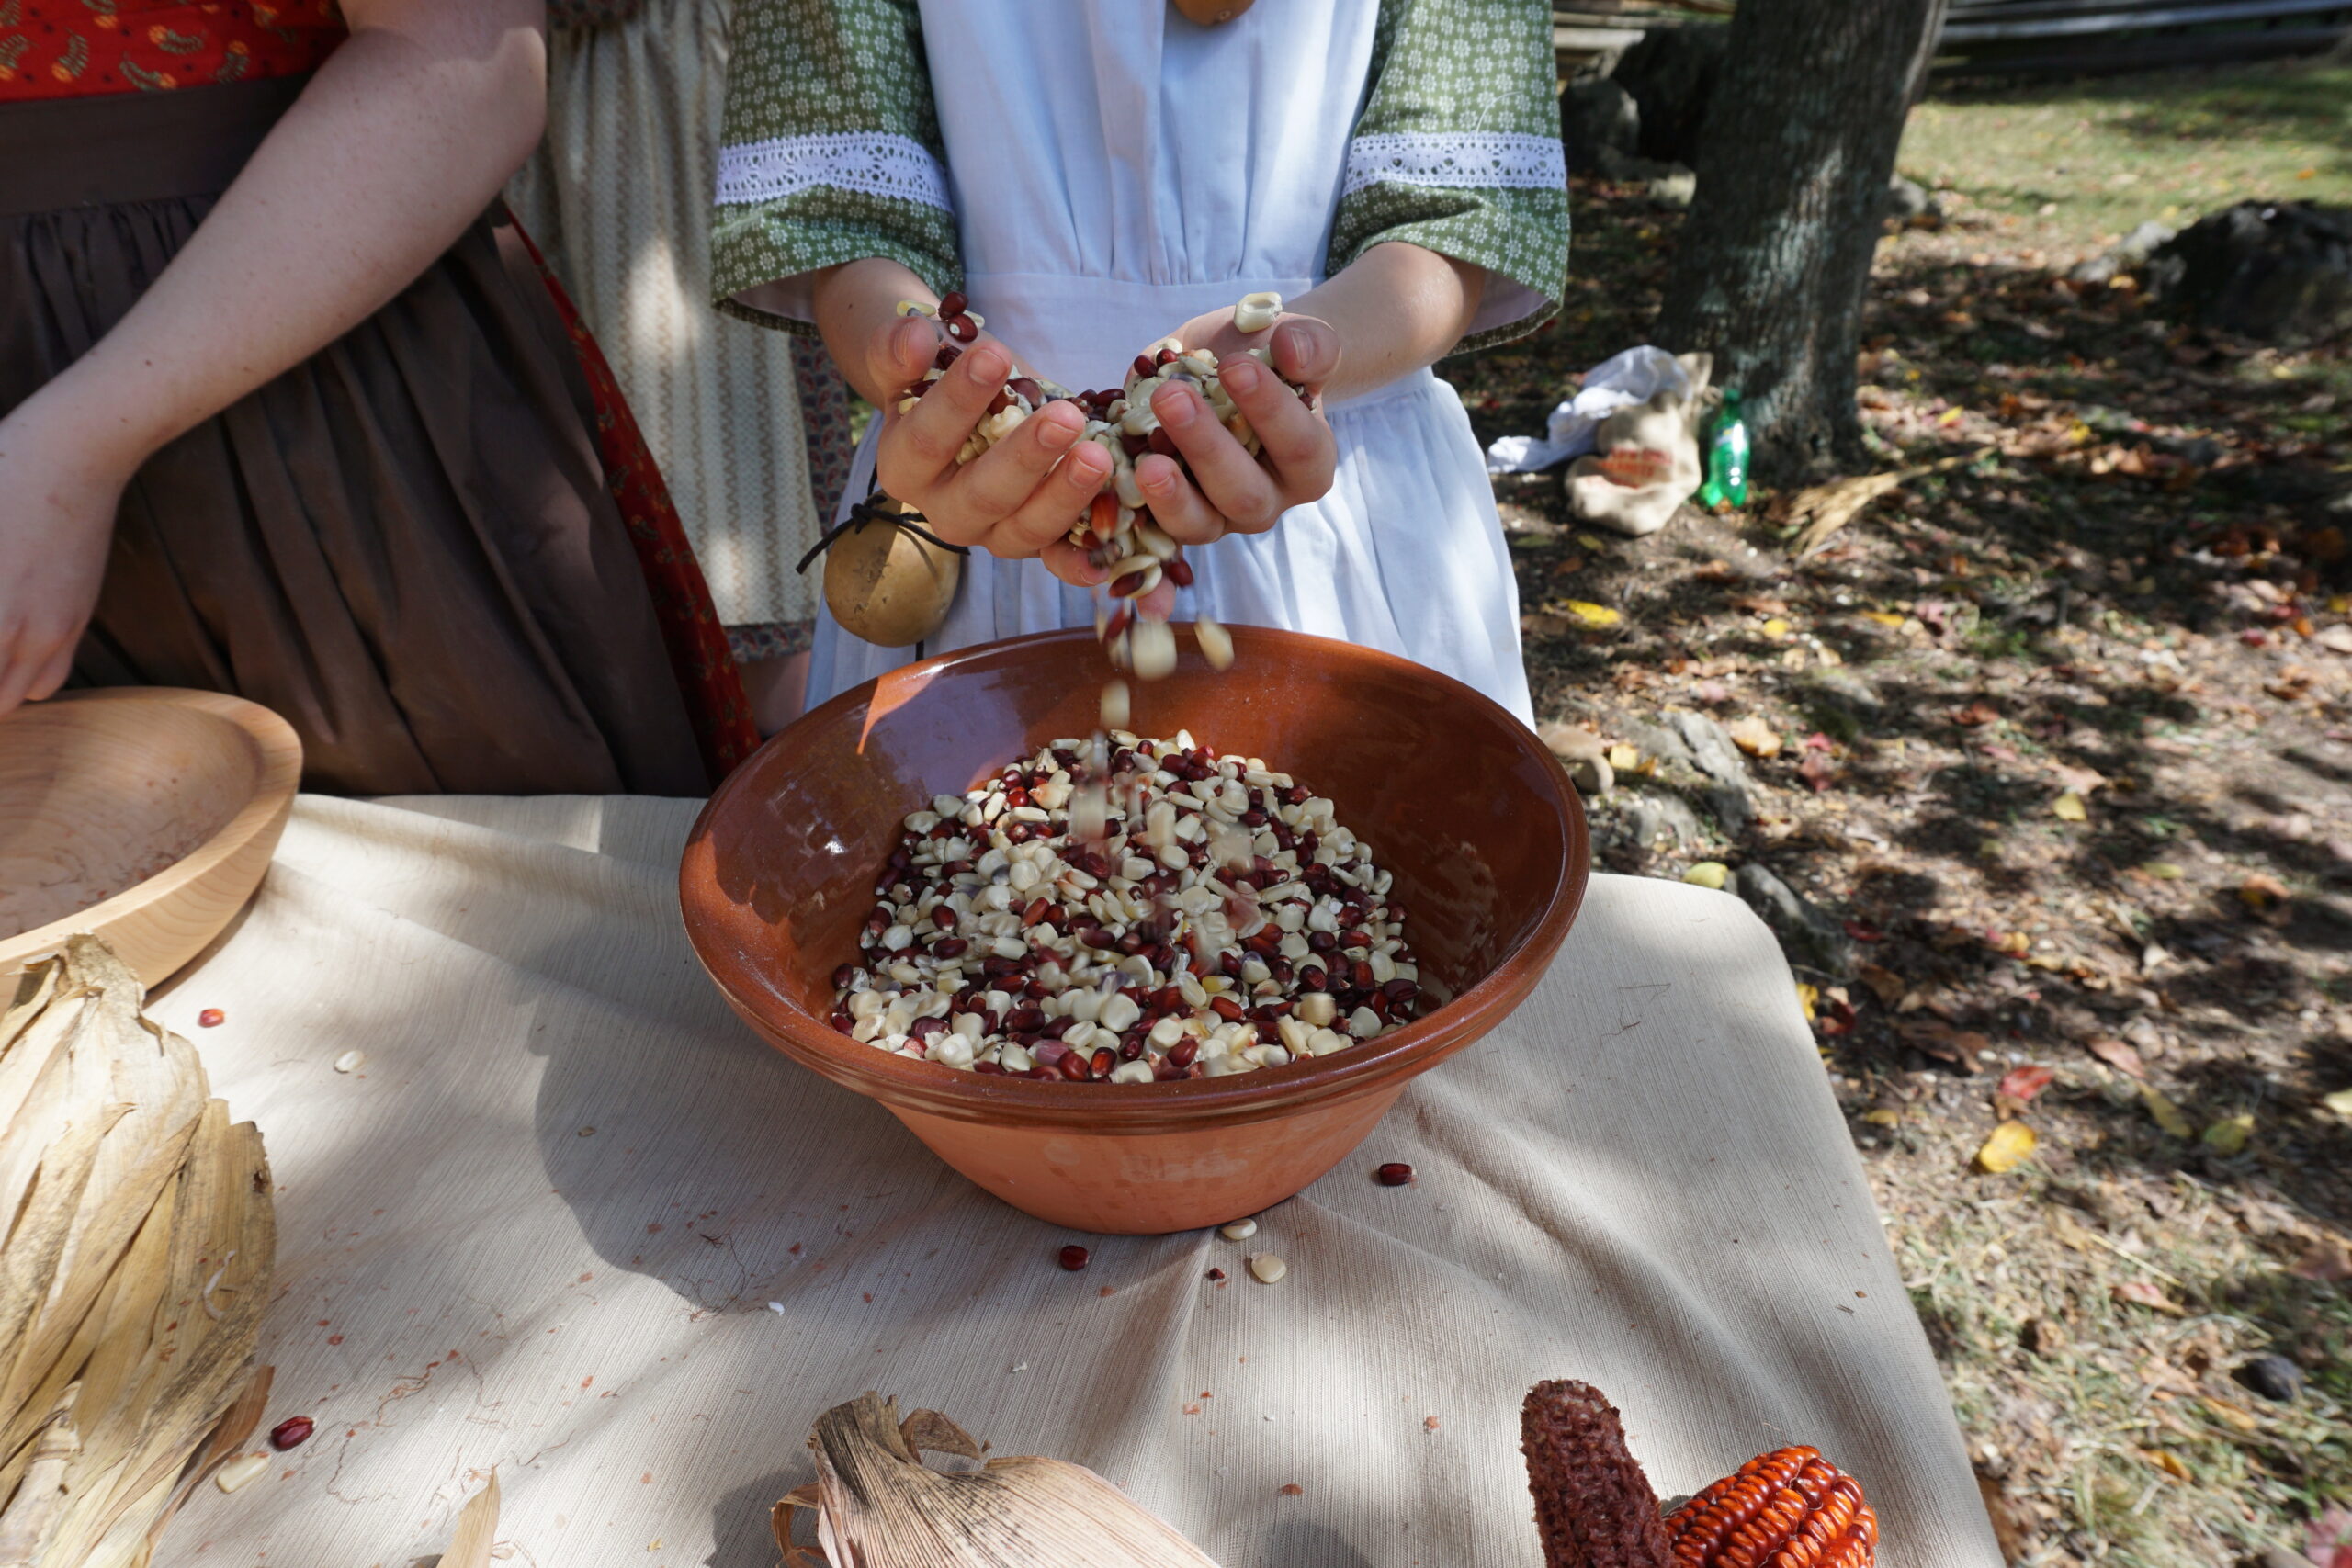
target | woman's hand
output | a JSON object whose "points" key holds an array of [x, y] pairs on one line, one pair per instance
{"points": [[1015, 499], [57, 506], [1229, 490]]}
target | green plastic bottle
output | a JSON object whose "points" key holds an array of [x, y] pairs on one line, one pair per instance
{"points": [[1726, 480]]}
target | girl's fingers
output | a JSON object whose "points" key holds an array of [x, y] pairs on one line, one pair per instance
{"points": [[1178, 509], [1295, 439], [1157, 605], [1226, 475], [918, 447], [904, 351], [46, 681], [1000, 482], [1054, 506], [1069, 562], [1306, 350]]}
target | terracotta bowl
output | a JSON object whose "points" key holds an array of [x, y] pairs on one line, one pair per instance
{"points": [[143, 814], [1479, 825]]}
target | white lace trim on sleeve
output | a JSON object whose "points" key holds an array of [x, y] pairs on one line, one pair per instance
{"points": [[872, 162], [1459, 159]]}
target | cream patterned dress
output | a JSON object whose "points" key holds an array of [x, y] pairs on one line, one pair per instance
{"points": [[1095, 173], [617, 197]]}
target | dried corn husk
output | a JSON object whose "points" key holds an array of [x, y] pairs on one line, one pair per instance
{"points": [[132, 1277], [477, 1533], [879, 1504]]}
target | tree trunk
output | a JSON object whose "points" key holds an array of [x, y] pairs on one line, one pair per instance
{"points": [[1793, 165]]}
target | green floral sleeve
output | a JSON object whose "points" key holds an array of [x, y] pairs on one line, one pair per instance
{"points": [[830, 153], [1458, 149]]}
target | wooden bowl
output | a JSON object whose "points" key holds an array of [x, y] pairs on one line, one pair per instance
{"points": [[1458, 799], [144, 814]]}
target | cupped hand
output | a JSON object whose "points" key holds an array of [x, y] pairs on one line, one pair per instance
{"points": [[1229, 490], [1015, 499], [57, 512]]}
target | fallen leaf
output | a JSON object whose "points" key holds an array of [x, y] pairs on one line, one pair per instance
{"points": [[2008, 1147], [2326, 1261], [2068, 808], [2169, 1115], [1624, 759], [1884, 1118], [1806, 997], [2081, 780], [1817, 741], [1592, 615], [1975, 714], [1889, 987], [2243, 1420], [2261, 890], [1708, 873], [2140, 1292], [1862, 931], [2022, 1084], [2231, 1134], [1776, 628], [2163, 871], [1817, 771], [2118, 1055], [2340, 1101], [1889, 619], [1754, 736], [2168, 1462]]}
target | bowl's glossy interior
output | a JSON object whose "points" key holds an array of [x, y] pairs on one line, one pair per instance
{"points": [[1478, 822], [143, 814]]}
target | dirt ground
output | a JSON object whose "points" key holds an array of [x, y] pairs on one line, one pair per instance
{"points": [[2050, 756]]}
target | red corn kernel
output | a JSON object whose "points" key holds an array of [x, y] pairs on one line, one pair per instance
{"points": [[291, 1433], [1396, 1173], [1075, 1257], [1226, 1008], [1074, 1067], [1184, 1051], [1178, 572], [954, 304], [1102, 1063], [211, 1018], [1143, 364], [961, 329]]}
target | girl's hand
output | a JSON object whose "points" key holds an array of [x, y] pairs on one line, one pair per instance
{"points": [[1229, 490], [57, 507], [1014, 500]]}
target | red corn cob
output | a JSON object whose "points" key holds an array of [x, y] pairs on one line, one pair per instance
{"points": [[1789, 1508]]}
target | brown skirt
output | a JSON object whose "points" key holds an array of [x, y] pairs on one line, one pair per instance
{"points": [[404, 545]]}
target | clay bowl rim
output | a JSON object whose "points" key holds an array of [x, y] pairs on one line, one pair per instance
{"points": [[934, 1089], [279, 776]]}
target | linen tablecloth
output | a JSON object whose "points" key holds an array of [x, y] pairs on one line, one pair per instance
{"points": [[572, 1222]]}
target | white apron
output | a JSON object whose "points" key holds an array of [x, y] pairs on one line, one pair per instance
{"points": [[1116, 171]]}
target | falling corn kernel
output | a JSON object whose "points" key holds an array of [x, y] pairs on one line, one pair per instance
{"points": [[1216, 643], [1115, 704]]}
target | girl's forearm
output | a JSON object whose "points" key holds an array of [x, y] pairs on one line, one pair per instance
{"points": [[1397, 308], [399, 142]]}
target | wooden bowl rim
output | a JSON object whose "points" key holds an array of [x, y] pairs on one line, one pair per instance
{"points": [[1191, 1104], [281, 777]]}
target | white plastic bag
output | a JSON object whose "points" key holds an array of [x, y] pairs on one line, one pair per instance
{"points": [[1634, 377]]}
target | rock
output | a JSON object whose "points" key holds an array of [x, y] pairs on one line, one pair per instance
{"points": [[1905, 199], [2045, 1336], [2280, 1557], [1671, 75], [2280, 272], [1804, 931], [1675, 189], [1712, 751], [2130, 254], [1662, 821], [1656, 740], [1570, 742], [1842, 692], [1593, 776], [1598, 116], [2273, 1376]]}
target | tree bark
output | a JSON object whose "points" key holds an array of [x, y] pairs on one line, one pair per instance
{"points": [[1793, 165]]}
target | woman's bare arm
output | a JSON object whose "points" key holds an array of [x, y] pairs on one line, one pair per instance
{"points": [[402, 138]]}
